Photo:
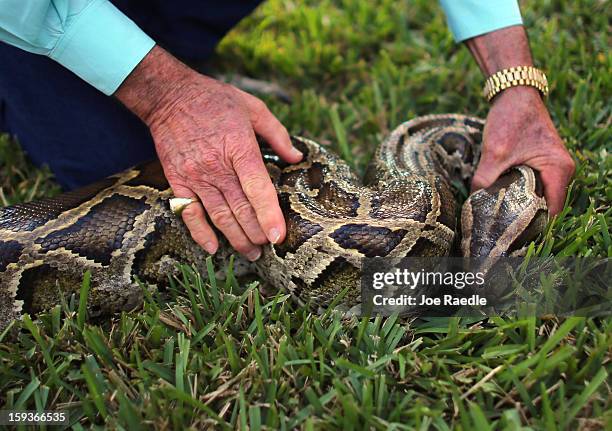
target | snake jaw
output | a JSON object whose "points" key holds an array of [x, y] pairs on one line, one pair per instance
{"points": [[505, 216]]}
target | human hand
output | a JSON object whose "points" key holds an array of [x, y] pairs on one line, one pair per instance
{"points": [[519, 131], [204, 133]]}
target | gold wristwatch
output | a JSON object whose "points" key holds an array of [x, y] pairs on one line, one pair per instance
{"points": [[513, 77]]}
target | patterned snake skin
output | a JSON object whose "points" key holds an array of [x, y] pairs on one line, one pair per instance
{"points": [[121, 227]]}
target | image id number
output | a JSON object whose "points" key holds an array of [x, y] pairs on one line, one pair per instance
{"points": [[32, 417]]}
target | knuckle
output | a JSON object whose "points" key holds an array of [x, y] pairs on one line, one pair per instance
{"points": [[244, 211], [258, 111], [259, 106], [240, 149], [235, 136], [226, 183], [191, 213], [222, 218], [210, 161], [255, 187], [191, 169], [243, 159]]}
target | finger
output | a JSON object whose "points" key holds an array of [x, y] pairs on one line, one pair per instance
{"points": [[555, 189], [261, 194], [201, 232], [268, 127], [244, 213], [195, 220], [223, 218]]}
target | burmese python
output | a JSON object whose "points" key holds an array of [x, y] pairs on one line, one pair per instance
{"points": [[121, 227]]}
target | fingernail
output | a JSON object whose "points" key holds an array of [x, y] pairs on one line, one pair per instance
{"points": [[297, 153], [254, 255], [274, 235], [210, 247]]}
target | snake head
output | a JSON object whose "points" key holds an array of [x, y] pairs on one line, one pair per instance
{"points": [[504, 217]]}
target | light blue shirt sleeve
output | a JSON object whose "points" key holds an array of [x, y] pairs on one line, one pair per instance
{"points": [[92, 38], [470, 18]]}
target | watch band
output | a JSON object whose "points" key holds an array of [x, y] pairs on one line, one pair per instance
{"points": [[513, 77]]}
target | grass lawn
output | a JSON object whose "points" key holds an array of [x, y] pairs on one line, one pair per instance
{"points": [[221, 355]]}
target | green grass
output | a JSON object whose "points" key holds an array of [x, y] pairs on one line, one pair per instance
{"points": [[219, 354]]}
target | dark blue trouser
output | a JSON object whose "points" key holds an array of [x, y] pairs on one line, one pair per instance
{"points": [[79, 132]]}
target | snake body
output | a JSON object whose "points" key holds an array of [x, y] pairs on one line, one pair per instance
{"points": [[121, 228]]}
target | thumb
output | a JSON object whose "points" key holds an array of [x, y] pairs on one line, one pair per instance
{"points": [[486, 174], [266, 125]]}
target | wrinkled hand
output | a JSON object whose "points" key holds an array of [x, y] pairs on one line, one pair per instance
{"points": [[204, 133], [519, 131]]}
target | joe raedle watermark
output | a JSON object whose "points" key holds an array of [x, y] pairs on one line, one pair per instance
{"points": [[403, 279], [450, 286]]}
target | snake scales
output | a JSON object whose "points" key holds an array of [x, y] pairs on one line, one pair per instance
{"points": [[121, 227]]}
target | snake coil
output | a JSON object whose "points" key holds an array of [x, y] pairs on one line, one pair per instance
{"points": [[122, 227]]}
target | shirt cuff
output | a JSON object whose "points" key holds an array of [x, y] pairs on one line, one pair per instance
{"points": [[102, 46], [470, 18]]}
